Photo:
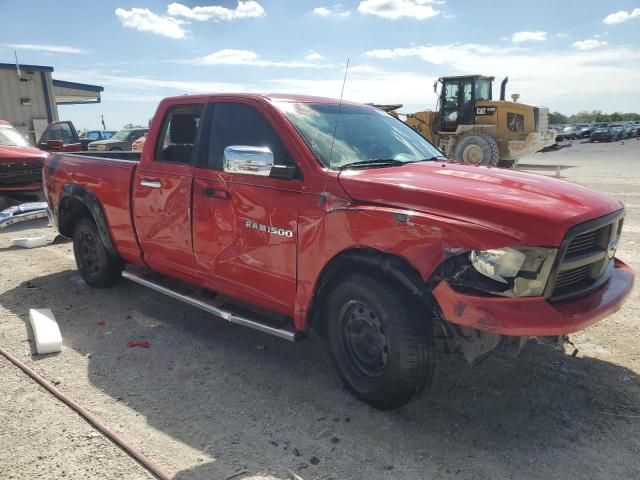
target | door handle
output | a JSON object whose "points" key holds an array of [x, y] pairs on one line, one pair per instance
{"points": [[150, 183], [215, 193]]}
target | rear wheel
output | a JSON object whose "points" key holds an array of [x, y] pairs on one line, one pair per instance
{"points": [[478, 148], [380, 344], [96, 265]]}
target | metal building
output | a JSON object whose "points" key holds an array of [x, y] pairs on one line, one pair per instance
{"points": [[29, 97]]}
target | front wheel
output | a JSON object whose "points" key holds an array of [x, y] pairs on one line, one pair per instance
{"points": [[380, 343], [97, 266]]}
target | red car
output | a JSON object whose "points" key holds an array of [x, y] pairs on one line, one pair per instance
{"points": [[20, 164], [289, 213]]}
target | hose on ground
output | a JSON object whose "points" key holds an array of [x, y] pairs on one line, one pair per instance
{"points": [[133, 452]]}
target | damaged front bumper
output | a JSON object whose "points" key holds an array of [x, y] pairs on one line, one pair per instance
{"points": [[534, 316]]}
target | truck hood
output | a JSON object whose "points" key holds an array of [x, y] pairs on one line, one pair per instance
{"points": [[10, 155], [533, 209]]}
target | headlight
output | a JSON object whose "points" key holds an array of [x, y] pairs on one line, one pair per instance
{"points": [[517, 271]]}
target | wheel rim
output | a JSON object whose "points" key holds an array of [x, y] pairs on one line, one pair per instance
{"points": [[364, 339], [472, 154], [89, 258]]}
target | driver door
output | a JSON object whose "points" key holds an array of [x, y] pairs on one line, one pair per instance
{"points": [[450, 109]]}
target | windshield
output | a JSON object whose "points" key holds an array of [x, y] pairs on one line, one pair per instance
{"points": [[121, 135], [11, 136], [363, 134]]}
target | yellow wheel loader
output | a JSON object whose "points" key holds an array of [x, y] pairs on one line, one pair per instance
{"points": [[469, 126]]}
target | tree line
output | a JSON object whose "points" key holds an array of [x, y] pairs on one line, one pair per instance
{"points": [[592, 116]]}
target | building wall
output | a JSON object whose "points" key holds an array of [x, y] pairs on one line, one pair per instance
{"points": [[12, 89]]}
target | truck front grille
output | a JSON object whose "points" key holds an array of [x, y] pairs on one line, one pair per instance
{"points": [[583, 264], [20, 173]]}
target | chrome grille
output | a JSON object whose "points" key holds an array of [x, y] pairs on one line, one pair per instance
{"points": [[584, 243], [582, 264]]}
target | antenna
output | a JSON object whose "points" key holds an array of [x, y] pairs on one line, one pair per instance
{"points": [[15, 54], [335, 127]]}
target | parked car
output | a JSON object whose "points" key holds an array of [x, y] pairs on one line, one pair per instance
{"points": [[584, 129], [619, 132], [95, 135], [365, 233], [20, 165], [61, 137], [573, 132], [604, 134], [120, 141], [630, 129]]}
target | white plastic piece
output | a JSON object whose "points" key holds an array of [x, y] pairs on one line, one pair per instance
{"points": [[45, 330], [32, 242]]}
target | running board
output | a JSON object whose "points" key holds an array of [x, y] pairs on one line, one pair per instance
{"points": [[210, 308]]}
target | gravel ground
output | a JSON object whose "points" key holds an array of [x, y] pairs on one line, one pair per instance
{"points": [[210, 399]]}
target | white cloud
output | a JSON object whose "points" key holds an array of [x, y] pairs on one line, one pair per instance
{"points": [[230, 56], [313, 56], [621, 16], [248, 9], [588, 44], [537, 36], [562, 35], [335, 11], [46, 48], [395, 9], [169, 87], [145, 20], [568, 77]]}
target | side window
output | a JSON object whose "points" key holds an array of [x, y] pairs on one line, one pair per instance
{"points": [[451, 94], [240, 124], [59, 131], [467, 93], [178, 134]]}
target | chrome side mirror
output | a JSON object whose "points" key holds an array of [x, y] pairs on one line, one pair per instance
{"points": [[248, 160]]}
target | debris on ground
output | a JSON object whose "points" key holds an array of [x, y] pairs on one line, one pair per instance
{"points": [[143, 344], [45, 331], [32, 242], [22, 213]]}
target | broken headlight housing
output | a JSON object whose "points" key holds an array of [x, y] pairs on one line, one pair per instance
{"points": [[510, 271]]}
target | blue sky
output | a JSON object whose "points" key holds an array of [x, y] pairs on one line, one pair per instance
{"points": [[568, 55]]}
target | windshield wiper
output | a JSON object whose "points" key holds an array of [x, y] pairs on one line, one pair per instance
{"points": [[432, 159], [377, 162]]}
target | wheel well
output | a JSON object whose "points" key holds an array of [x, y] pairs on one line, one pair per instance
{"points": [[71, 211], [386, 266], [77, 203]]}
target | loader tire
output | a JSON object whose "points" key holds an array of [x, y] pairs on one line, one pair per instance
{"points": [[478, 148], [97, 266]]}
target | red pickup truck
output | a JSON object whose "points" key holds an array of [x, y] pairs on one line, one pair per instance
{"points": [[289, 213], [20, 165]]}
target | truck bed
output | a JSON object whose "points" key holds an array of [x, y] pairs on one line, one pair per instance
{"points": [[106, 177]]}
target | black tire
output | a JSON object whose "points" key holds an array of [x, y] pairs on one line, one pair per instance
{"points": [[381, 341], [478, 148], [96, 265]]}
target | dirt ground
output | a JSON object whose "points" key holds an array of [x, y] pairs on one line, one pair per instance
{"points": [[213, 400]]}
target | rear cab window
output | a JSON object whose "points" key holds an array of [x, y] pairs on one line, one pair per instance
{"points": [[179, 134]]}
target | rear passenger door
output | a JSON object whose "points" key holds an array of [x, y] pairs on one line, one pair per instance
{"points": [[162, 193], [244, 225]]}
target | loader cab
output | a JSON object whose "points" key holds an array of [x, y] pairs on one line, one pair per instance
{"points": [[458, 96]]}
